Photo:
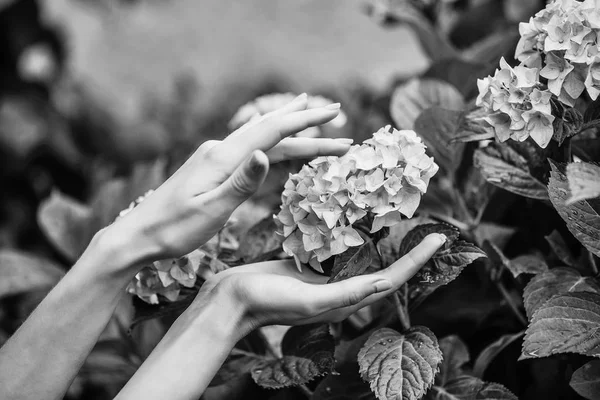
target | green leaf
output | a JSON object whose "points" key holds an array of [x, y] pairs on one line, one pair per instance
{"points": [[23, 272], [487, 355], [553, 282], [438, 127], [261, 242], [346, 385], [504, 167], [307, 353], [582, 217], [586, 380], [567, 323], [584, 181], [416, 95], [560, 248], [456, 355], [66, 224], [352, 262], [400, 366], [470, 388]]}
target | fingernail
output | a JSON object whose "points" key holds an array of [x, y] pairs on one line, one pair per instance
{"points": [[441, 237], [256, 166], [382, 285], [334, 106], [344, 140], [301, 97]]}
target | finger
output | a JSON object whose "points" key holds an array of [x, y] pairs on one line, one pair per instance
{"points": [[294, 148], [284, 268], [298, 104], [243, 182]]}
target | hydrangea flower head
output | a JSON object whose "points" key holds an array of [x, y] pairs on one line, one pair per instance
{"points": [[517, 103], [384, 177], [271, 102]]}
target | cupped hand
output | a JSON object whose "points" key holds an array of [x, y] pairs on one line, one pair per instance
{"points": [[196, 201], [275, 292]]}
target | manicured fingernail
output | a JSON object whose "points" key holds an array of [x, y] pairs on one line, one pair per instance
{"points": [[302, 96], [382, 285], [334, 106], [344, 140], [441, 237]]}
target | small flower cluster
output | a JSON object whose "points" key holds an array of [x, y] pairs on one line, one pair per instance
{"points": [[385, 176], [518, 105], [567, 33], [271, 102]]}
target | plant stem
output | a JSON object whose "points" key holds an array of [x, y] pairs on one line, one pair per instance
{"points": [[593, 264], [305, 390], [401, 309], [511, 303]]}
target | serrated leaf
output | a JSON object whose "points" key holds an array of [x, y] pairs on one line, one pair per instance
{"points": [[400, 366], [439, 127], [487, 355], [234, 366], [504, 167], [586, 380], [347, 385], [23, 272], [307, 353], [553, 282], [560, 248], [584, 181], [470, 388], [65, 222], [456, 355], [261, 242], [567, 323], [416, 95], [582, 217], [352, 262], [418, 233]]}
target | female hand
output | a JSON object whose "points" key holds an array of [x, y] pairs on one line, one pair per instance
{"points": [[196, 201], [275, 292]]}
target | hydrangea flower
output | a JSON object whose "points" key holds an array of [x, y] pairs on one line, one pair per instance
{"points": [[562, 40], [518, 105], [384, 177], [271, 102]]}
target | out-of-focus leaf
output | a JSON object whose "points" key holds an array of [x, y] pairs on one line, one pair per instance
{"points": [[584, 181], [492, 47], [459, 73], [592, 112], [470, 388], [145, 311], [347, 385], [560, 248], [400, 366], [261, 242], [487, 355], [497, 234], [417, 95], [22, 272], [473, 127], [352, 262], [438, 127], [567, 323], [586, 380], [456, 355], [524, 264], [554, 282], [108, 369], [234, 366], [502, 166], [582, 217], [65, 222], [307, 353]]}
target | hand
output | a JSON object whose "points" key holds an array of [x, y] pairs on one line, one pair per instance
{"points": [[275, 292], [194, 203]]}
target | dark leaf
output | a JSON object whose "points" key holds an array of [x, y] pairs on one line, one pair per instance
{"points": [[494, 233], [234, 366], [417, 95], [584, 181], [352, 262], [592, 112], [418, 233], [473, 127], [560, 248], [400, 366], [488, 354], [260, 242], [470, 388], [567, 323], [504, 167], [568, 125], [456, 355], [345, 386], [438, 127], [581, 217], [586, 380], [307, 353], [554, 282], [525, 264], [459, 73], [145, 311], [22, 272]]}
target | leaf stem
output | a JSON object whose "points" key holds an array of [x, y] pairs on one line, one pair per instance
{"points": [[593, 264], [511, 303], [305, 390], [401, 309]]}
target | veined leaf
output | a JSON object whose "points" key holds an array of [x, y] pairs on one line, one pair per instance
{"points": [[400, 366], [560, 248], [470, 388], [582, 217], [586, 380], [502, 166], [352, 262], [487, 355], [416, 95], [554, 282], [22, 272], [567, 323], [456, 355], [260, 242], [418, 233], [307, 353], [584, 181]]}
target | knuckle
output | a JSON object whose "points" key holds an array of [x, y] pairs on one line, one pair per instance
{"points": [[242, 184], [352, 298], [409, 260], [307, 308]]}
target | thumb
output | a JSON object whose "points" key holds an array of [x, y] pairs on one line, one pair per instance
{"points": [[245, 180]]}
